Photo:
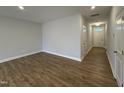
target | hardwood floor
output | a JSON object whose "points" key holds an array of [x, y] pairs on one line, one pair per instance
{"points": [[44, 69]]}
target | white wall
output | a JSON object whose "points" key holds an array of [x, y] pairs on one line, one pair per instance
{"points": [[62, 37], [110, 38], [18, 37]]}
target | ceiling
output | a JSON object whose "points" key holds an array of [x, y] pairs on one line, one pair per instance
{"points": [[41, 14]]}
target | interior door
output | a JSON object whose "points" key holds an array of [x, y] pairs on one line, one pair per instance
{"points": [[119, 37], [122, 38], [83, 42], [99, 36]]}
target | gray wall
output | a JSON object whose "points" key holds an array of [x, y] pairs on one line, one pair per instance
{"points": [[18, 37], [62, 37]]}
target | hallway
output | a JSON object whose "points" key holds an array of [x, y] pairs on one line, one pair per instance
{"points": [[44, 69], [98, 68]]}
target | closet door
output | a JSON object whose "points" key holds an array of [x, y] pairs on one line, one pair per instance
{"points": [[119, 43], [84, 43], [122, 43]]}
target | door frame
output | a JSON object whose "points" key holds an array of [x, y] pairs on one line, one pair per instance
{"points": [[104, 24], [84, 41]]}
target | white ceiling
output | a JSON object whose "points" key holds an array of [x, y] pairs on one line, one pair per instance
{"points": [[43, 14]]}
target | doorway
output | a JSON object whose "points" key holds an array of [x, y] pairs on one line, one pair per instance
{"points": [[99, 36]]}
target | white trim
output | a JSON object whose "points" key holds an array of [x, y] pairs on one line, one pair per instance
{"points": [[73, 58], [15, 57], [86, 53], [19, 56], [118, 81], [110, 61], [99, 46], [89, 50], [113, 71], [82, 58]]}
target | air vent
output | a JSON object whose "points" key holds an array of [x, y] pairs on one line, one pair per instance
{"points": [[94, 15]]}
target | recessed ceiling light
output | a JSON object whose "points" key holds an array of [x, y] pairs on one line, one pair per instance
{"points": [[97, 24], [21, 7], [93, 7]]}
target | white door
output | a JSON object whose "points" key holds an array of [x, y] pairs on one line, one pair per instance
{"points": [[84, 42], [122, 42], [99, 36], [119, 43]]}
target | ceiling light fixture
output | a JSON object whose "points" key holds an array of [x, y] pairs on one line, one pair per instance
{"points": [[21, 7], [97, 24], [93, 7]]}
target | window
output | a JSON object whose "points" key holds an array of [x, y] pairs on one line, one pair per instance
{"points": [[99, 29]]}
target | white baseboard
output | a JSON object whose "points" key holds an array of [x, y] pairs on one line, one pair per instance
{"points": [[19, 56], [86, 53], [118, 81], [73, 58], [113, 72], [110, 61], [82, 58], [89, 50]]}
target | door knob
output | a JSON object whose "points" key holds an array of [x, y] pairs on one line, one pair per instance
{"points": [[115, 52], [122, 52]]}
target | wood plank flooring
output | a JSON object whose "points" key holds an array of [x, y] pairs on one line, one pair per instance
{"points": [[46, 70]]}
